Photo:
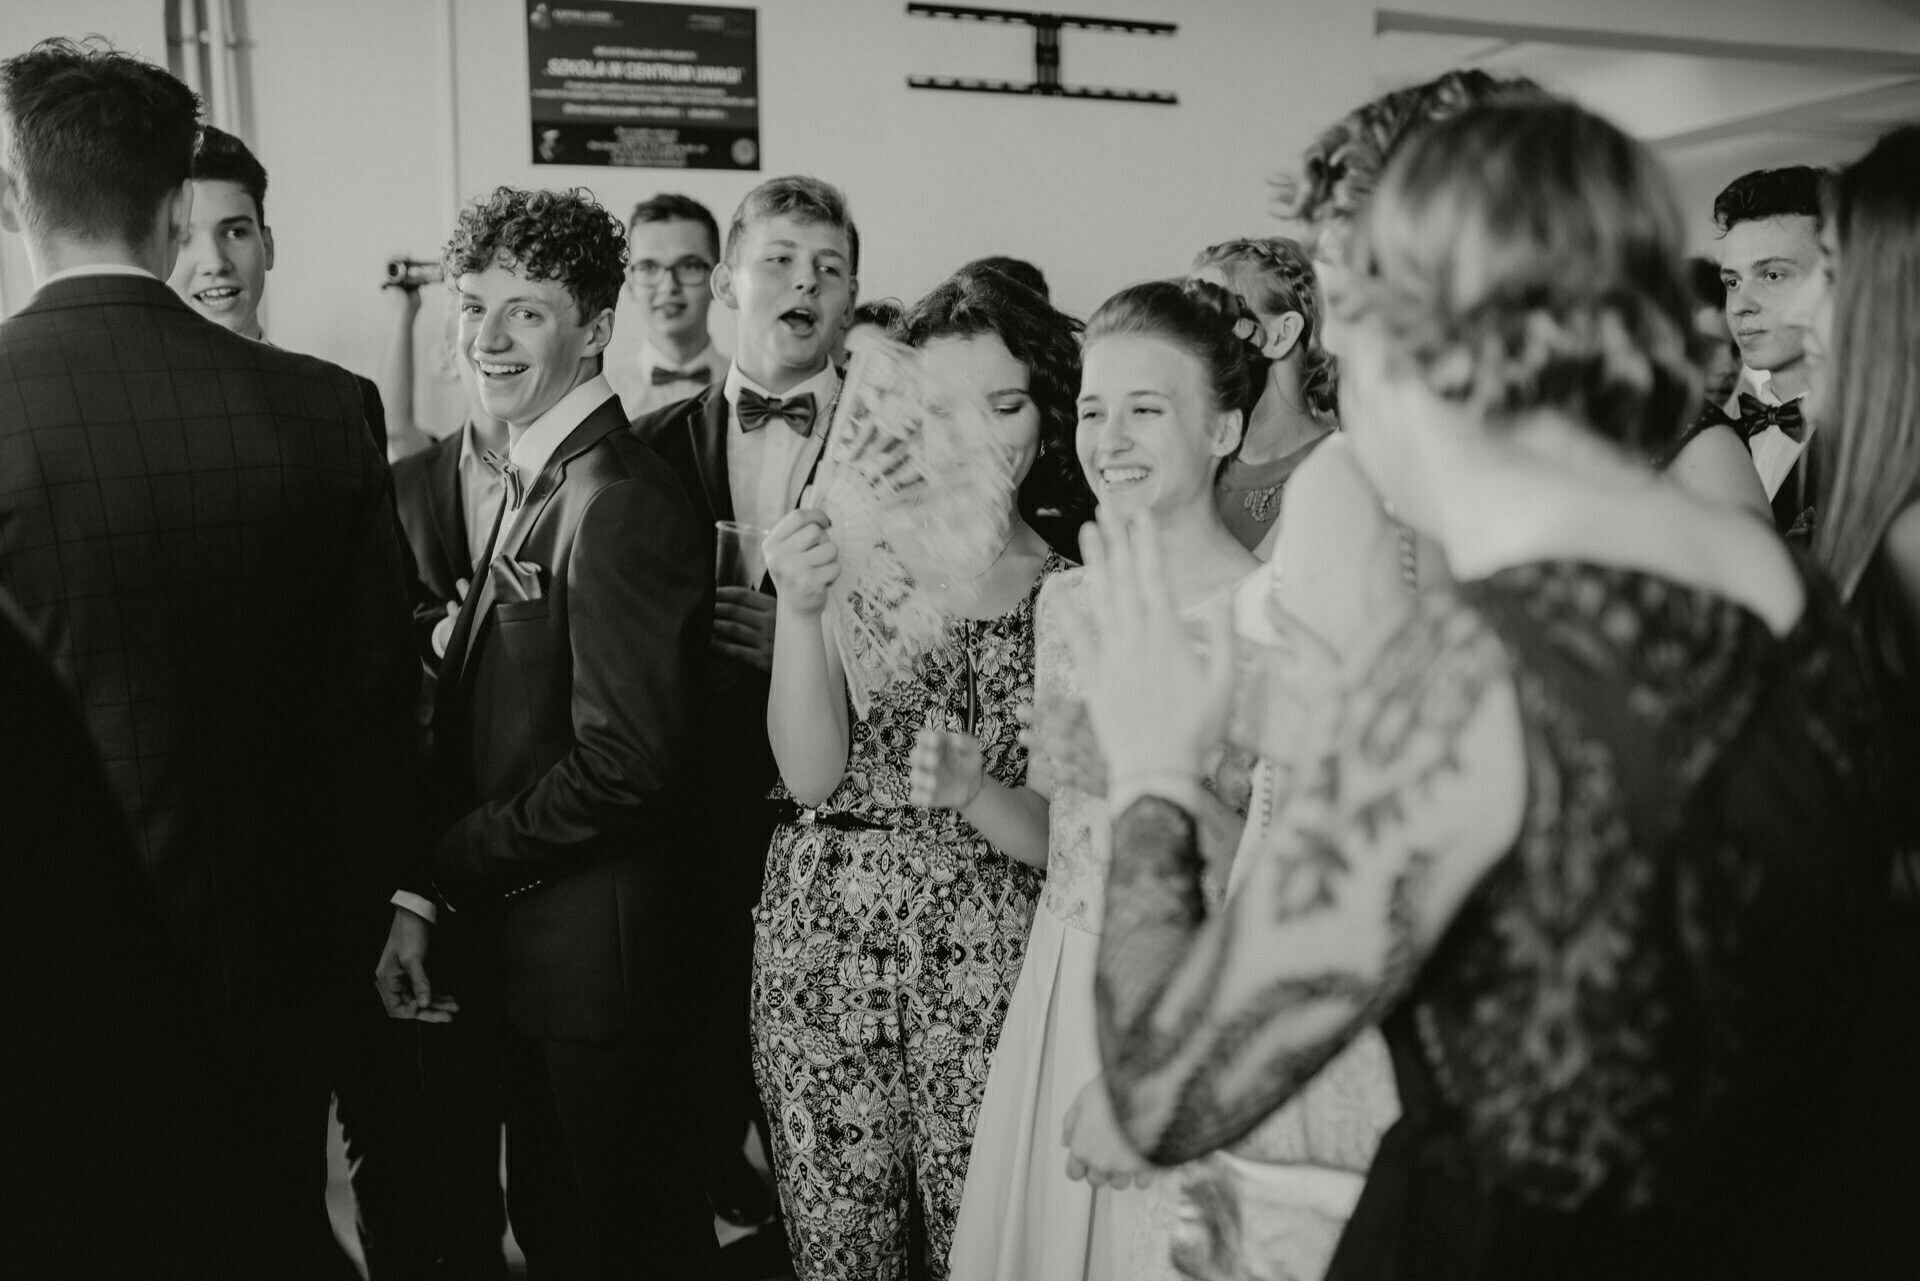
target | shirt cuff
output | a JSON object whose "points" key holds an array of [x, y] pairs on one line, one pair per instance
{"points": [[417, 905]]}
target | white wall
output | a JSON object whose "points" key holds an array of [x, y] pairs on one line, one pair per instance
{"points": [[351, 113]]}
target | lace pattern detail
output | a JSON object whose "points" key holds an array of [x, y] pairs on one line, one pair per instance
{"points": [[1564, 1017]]}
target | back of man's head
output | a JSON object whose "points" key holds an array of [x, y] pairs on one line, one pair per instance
{"points": [[1769, 193], [93, 140], [221, 157]]}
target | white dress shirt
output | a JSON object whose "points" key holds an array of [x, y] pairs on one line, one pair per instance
{"points": [[632, 377], [481, 492], [1774, 452], [530, 450], [767, 469]]}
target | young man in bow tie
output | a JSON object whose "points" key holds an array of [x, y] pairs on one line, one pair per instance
{"points": [[745, 449], [674, 244], [1769, 225], [560, 886]]}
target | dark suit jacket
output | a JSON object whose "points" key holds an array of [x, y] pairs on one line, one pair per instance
{"points": [[376, 410], [93, 1020], [736, 767], [201, 538], [562, 734], [426, 489]]}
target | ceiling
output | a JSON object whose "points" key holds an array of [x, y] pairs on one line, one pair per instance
{"points": [[1712, 109]]}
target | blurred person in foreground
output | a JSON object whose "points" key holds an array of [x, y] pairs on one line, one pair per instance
{"points": [[200, 535], [1584, 838]]}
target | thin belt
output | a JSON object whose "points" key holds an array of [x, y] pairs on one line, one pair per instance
{"points": [[791, 813]]}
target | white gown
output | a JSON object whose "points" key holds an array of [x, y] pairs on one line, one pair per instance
{"points": [[1021, 1218]]}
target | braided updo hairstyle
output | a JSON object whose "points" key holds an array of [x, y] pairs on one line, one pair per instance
{"points": [[1275, 276], [1339, 172], [1528, 255], [1213, 325]]}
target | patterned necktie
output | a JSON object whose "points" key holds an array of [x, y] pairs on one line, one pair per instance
{"points": [[754, 410], [510, 474], [661, 375], [1756, 416]]}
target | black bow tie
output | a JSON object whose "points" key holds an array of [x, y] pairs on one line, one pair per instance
{"points": [[695, 374], [1756, 416], [515, 480], [754, 410]]}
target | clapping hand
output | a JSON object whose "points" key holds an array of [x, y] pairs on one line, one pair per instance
{"points": [[948, 769], [802, 560], [1097, 1151], [1156, 705]]}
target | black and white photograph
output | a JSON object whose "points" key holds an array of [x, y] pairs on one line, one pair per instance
{"points": [[863, 640]]}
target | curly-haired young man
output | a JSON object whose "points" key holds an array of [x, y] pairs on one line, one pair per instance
{"points": [[556, 886]]}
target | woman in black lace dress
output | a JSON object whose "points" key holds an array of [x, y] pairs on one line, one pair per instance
{"points": [[1581, 838]]}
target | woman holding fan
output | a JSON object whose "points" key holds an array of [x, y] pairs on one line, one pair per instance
{"points": [[891, 926]]}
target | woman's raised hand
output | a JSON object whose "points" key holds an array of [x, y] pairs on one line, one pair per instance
{"points": [[1157, 706], [802, 560]]}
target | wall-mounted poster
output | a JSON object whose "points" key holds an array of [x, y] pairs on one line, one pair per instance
{"points": [[655, 86]]}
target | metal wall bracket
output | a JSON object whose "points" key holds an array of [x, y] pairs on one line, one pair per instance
{"points": [[1046, 53]]}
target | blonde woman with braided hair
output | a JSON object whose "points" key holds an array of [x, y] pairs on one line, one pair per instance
{"points": [[1585, 835], [1296, 411]]}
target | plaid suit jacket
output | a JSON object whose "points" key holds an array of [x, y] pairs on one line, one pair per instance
{"points": [[201, 538]]}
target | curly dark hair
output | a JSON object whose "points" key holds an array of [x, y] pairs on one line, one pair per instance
{"points": [[1340, 170], [1770, 193], [1018, 268], [884, 312], [1275, 276], [545, 235], [982, 300], [1213, 325], [1527, 255]]}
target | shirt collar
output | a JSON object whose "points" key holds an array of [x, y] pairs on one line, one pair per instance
{"points": [[1757, 383], [544, 434], [99, 269], [824, 385]]}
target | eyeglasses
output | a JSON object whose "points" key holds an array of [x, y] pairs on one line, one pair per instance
{"points": [[688, 271]]}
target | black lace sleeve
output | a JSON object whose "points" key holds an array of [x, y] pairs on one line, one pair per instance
{"points": [[1209, 1023]]}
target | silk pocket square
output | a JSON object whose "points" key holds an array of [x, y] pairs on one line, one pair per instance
{"points": [[515, 582]]}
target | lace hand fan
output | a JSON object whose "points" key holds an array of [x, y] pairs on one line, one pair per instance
{"points": [[916, 481]]}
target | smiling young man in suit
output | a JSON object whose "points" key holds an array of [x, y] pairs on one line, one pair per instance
{"points": [[744, 449], [563, 723]]}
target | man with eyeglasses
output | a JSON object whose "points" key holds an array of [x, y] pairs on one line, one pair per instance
{"points": [[675, 242]]}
